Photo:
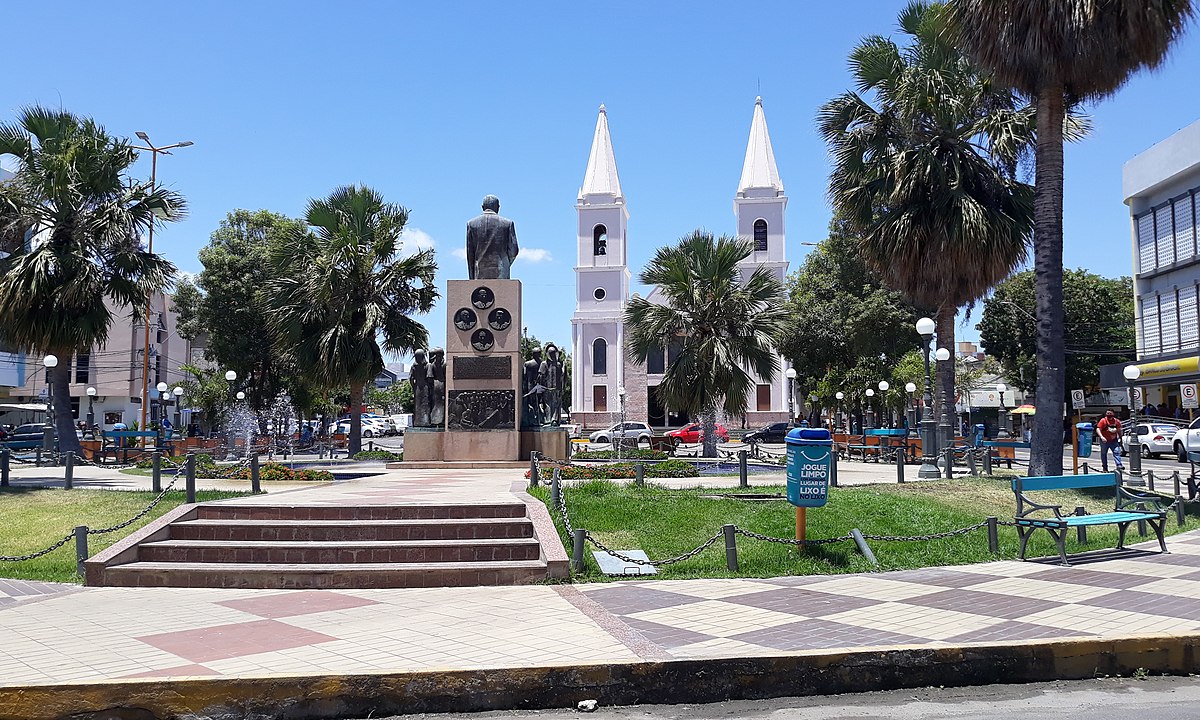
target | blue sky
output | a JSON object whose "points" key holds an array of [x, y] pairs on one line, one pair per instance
{"points": [[437, 104]]}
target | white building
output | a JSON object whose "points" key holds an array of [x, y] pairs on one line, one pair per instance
{"points": [[602, 279], [11, 364]]}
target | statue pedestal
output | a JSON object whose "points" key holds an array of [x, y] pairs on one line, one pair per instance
{"points": [[552, 442], [423, 444]]}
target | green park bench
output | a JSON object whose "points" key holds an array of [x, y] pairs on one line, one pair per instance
{"points": [[1128, 508], [994, 445]]}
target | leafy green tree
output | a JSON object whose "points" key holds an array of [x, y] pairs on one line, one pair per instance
{"points": [[1097, 315], [206, 391], [925, 154], [723, 326], [1058, 52], [395, 398], [58, 295], [340, 286]]}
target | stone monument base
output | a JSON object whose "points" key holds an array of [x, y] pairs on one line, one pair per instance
{"points": [[423, 444], [480, 445], [552, 442]]}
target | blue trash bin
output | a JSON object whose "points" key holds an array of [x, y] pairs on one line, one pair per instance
{"points": [[978, 436], [1086, 431], [809, 466]]}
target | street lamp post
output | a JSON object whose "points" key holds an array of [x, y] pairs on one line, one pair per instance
{"points": [[925, 327], [161, 387], [945, 426], [91, 416], [619, 435], [883, 388], [791, 378], [1132, 373], [870, 408], [48, 430], [230, 377], [178, 393], [911, 411], [841, 411], [1003, 419], [154, 153]]}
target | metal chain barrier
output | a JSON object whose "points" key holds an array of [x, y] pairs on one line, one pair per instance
{"points": [[657, 563], [791, 541], [153, 503], [925, 538], [39, 553]]}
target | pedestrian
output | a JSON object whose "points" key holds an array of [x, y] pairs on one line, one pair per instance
{"points": [[1109, 429]]}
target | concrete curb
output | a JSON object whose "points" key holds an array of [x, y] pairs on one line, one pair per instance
{"points": [[674, 681]]}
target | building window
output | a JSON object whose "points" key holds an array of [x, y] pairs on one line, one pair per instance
{"points": [[760, 235], [82, 374], [599, 357], [600, 240], [764, 398], [656, 361], [600, 398]]}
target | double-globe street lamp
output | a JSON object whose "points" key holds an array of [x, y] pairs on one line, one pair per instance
{"points": [[1132, 373]]}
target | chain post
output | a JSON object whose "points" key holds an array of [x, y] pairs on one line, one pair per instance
{"points": [[156, 471], [555, 488], [948, 454], [1150, 480], [1175, 482], [255, 480], [833, 460], [533, 469], [1081, 530], [987, 461], [993, 532], [69, 470], [37, 457], [579, 536], [639, 474], [731, 559], [1141, 528], [4, 453], [900, 466], [863, 548], [1180, 510], [190, 483], [743, 481], [971, 462], [81, 547], [1086, 469]]}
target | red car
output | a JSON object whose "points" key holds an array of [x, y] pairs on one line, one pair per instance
{"points": [[694, 433]]}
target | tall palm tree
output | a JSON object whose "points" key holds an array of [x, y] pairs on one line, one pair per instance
{"points": [[723, 326], [82, 259], [340, 286], [925, 154], [1059, 52]]}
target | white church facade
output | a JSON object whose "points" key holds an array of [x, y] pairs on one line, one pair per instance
{"points": [[600, 369]]}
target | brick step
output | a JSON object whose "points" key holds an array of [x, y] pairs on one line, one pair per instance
{"points": [[228, 511], [375, 551], [359, 575], [350, 530]]}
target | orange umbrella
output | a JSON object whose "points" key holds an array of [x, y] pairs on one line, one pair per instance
{"points": [[1023, 410]]}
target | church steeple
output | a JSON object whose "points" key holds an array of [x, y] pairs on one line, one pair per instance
{"points": [[758, 170], [600, 180]]}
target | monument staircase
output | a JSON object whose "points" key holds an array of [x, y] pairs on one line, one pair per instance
{"points": [[331, 546]]}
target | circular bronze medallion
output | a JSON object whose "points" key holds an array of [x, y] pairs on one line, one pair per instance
{"points": [[499, 319], [465, 319], [482, 340], [483, 298]]}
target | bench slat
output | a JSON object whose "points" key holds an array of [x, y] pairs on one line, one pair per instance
{"points": [[1064, 482]]}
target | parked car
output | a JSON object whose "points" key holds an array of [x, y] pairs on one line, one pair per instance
{"points": [[574, 430], [773, 433], [1155, 438], [401, 422], [1186, 440], [638, 430], [694, 433]]}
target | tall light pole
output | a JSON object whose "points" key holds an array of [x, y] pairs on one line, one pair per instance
{"points": [[911, 410], [48, 430], [620, 433], [791, 378], [1000, 388], [91, 416], [1132, 373], [154, 153], [178, 393], [870, 408], [883, 388], [230, 378], [945, 426], [841, 411], [929, 445]]}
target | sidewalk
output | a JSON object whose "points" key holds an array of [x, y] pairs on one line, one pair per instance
{"points": [[992, 613]]}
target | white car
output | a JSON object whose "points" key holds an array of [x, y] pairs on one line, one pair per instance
{"points": [[1186, 440], [1155, 438], [638, 430]]}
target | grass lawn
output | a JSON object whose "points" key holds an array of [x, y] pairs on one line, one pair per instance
{"points": [[666, 522], [32, 519]]}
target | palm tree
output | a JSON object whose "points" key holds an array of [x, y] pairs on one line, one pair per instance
{"points": [[340, 286], [926, 173], [724, 326], [1058, 52], [83, 261]]}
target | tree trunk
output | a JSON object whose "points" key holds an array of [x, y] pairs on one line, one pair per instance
{"points": [[1046, 454], [945, 369], [355, 440], [709, 425], [64, 423]]}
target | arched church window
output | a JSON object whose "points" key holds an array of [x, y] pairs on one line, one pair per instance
{"points": [[600, 240], [599, 357], [760, 234]]}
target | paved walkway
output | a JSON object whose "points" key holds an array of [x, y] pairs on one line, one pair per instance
{"points": [[57, 633]]}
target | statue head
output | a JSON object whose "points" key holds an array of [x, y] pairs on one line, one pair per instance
{"points": [[418, 357], [536, 352], [491, 202], [552, 351], [437, 355]]}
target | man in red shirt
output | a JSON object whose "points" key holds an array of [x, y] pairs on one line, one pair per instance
{"points": [[1109, 429]]}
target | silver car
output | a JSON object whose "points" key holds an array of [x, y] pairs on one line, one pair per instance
{"points": [[636, 430], [1155, 438]]}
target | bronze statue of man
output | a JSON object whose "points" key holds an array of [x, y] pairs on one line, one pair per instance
{"points": [[491, 243], [553, 373]]}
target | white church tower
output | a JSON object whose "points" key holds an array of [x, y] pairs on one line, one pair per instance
{"points": [[601, 286], [759, 206]]}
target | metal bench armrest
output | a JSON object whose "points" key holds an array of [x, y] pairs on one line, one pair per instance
{"points": [[1034, 506], [1125, 498]]}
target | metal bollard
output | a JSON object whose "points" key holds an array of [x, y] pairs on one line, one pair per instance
{"points": [[255, 482], [1180, 510], [190, 477], [1081, 531], [833, 481], [555, 488], [81, 548], [579, 536], [863, 548], [1175, 482], [971, 463], [69, 470], [987, 461], [533, 469], [1086, 469], [37, 457], [1150, 480], [948, 454], [370, 446], [900, 467], [743, 480], [156, 471], [639, 474], [1141, 528], [730, 547], [993, 534], [4, 467]]}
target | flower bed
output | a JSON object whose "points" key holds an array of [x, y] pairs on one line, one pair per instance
{"points": [[379, 455], [208, 469], [638, 454], [627, 471]]}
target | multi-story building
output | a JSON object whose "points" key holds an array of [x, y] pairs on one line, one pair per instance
{"points": [[11, 363], [1161, 186], [601, 370]]}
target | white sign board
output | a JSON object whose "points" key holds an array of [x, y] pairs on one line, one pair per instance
{"points": [[1137, 398], [1077, 399], [1188, 393]]}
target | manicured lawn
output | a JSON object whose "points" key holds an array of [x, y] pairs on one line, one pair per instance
{"points": [[32, 519], [666, 522]]}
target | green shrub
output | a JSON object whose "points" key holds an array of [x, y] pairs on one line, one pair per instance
{"points": [[275, 472], [632, 454], [379, 455], [627, 471]]}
